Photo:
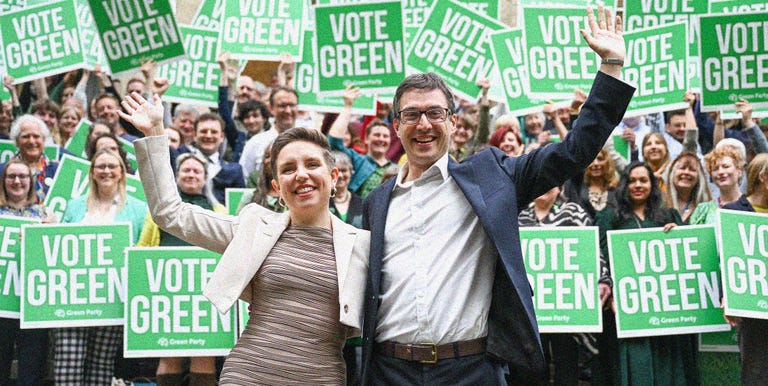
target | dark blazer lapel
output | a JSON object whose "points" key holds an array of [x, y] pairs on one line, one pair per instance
{"points": [[379, 207], [462, 173]]}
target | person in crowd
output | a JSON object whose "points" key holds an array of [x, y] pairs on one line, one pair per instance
{"points": [[472, 128], [6, 117], [560, 350], [18, 198], [669, 360], [633, 129], [246, 89], [447, 296], [110, 142], [595, 189], [272, 260], [48, 111], [680, 131], [86, 355], [264, 193], [507, 139], [726, 167], [191, 183], [656, 154], [533, 125], [107, 107], [463, 137], [368, 168], [209, 134], [30, 134], [753, 333], [174, 137], [283, 102], [687, 187], [184, 118], [70, 117], [98, 128]]}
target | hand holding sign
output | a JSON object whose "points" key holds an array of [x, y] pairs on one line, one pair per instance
{"points": [[745, 108], [606, 39], [350, 94], [145, 116]]}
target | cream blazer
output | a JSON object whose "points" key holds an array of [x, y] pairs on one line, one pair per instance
{"points": [[244, 240]]}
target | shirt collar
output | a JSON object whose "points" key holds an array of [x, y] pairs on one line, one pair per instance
{"points": [[439, 168]]}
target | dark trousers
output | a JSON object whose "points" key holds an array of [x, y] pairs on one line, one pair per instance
{"points": [[469, 370], [753, 344], [562, 354], [32, 348]]}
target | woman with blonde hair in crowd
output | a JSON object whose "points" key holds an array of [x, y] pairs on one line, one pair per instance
{"points": [[686, 185], [69, 117], [726, 167], [86, 355], [656, 154], [753, 333], [594, 190]]}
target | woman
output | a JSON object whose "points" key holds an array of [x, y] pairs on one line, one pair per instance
{"points": [[107, 141], [725, 166], [303, 272], [656, 154], [507, 139], [753, 333], [263, 194], [346, 205], [687, 185], [595, 190], [190, 180], [69, 118], [462, 137], [18, 198], [86, 355], [30, 135], [666, 360]]}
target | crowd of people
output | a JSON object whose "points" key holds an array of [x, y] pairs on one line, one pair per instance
{"points": [[402, 226]]}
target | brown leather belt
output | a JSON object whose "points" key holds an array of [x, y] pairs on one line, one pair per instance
{"points": [[431, 353]]}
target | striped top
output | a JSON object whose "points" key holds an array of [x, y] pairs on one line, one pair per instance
{"points": [[293, 335]]}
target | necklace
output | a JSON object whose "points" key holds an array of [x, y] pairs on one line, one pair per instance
{"points": [[343, 200]]}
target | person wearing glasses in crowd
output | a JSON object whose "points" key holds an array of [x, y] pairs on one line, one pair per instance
{"points": [[447, 297]]}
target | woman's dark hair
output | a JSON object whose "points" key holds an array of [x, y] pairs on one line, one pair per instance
{"points": [[653, 204], [303, 135], [250, 105], [90, 150]]}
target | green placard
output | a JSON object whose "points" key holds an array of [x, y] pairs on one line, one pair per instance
{"points": [[262, 30], [7, 150], [454, 43], [130, 31], [130, 151], [737, 6], [11, 5], [665, 283], [723, 341], [71, 181], [166, 314], [733, 56], [656, 64], [243, 316], [363, 46], [42, 40], [233, 197], [194, 80], [10, 264], [559, 61], [94, 53], [209, 14], [76, 144], [649, 14], [622, 147], [745, 263], [73, 274], [563, 268], [508, 49], [305, 83]]}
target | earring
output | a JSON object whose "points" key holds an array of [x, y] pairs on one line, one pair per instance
{"points": [[333, 192], [281, 202]]}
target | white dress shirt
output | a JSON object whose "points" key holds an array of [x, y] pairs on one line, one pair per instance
{"points": [[438, 263]]}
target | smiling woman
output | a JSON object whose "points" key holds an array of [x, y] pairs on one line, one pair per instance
{"points": [[303, 272]]}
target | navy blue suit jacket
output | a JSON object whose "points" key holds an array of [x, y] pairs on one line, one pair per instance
{"points": [[496, 186]]}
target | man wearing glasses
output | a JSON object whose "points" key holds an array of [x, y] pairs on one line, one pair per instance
{"points": [[447, 300]]}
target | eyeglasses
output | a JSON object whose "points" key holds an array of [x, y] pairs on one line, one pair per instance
{"points": [[13, 177], [286, 106], [434, 115], [106, 166]]}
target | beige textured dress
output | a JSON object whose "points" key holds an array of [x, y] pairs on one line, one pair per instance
{"points": [[293, 335]]}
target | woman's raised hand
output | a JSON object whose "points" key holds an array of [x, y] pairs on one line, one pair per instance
{"points": [[145, 116]]}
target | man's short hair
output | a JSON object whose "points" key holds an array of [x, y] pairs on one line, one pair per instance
{"points": [[210, 117], [186, 109], [669, 114], [423, 81], [277, 89], [375, 123]]}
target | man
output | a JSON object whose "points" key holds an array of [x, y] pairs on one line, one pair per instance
{"points": [[209, 133], [447, 298], [283, 105], [677, 124], [246, 89], [6, 117], [184, 118], [107, 107], [369, 168]]}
